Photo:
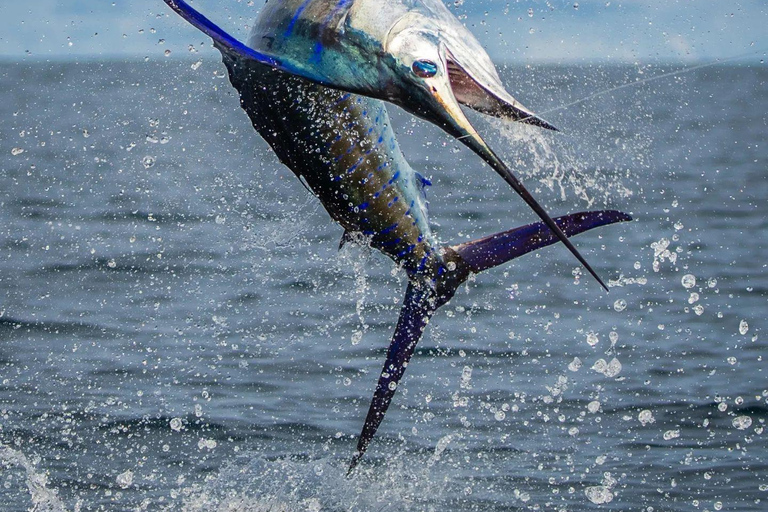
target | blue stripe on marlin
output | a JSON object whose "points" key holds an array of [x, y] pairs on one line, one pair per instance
{"points": [[295, 18], [320, 133]]}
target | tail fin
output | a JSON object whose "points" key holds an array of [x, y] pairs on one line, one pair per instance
{"points": [[494, 250], [421, 300], [418, 306]]}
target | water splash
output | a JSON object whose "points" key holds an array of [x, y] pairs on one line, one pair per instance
{"points": [[285, 230], [255, 484], [560, 166], [43, 498], [359, 261]]}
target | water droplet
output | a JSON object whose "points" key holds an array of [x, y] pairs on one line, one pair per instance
{"points": [[148, 161], [645, 417], [499, 415], [592, 339], [209, 444], [689, 281], [177, 424], [197, 65], [742, 422], [575, 365], [599, 494], [671, 434], [167, 53], [620, 305], [593, 406], [466, 378], [125, 479], [614, 368], [610, 370], [743, 327], [17, 151]]}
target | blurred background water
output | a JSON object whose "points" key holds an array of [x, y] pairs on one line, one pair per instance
{"points": [[179, 332]]}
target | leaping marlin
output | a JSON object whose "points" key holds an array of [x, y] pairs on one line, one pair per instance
{"points": [[312, 79]]}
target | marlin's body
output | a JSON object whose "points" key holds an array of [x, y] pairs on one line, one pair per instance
{"points": [[343, 147], [312, 79]]}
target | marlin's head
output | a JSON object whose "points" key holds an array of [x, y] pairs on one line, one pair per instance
{"points": [[432, 65], [436, 65]]}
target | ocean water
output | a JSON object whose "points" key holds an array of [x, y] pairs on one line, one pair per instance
{"points": [[178, 330]]}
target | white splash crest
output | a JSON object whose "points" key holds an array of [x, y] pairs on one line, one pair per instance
{"points": [[43, 498]]}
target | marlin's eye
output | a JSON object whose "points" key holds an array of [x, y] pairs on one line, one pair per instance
{"points": [[424, 68]]}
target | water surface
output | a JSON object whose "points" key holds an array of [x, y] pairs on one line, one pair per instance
{"points": [[179, 332]]}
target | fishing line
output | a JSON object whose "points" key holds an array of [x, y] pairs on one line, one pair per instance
{"points": [[646, 80]]}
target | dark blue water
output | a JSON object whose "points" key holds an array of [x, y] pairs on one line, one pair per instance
{"points": [[179, 332]]}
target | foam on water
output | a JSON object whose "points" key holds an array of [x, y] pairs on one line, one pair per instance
{"points": [[251, 483]]}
